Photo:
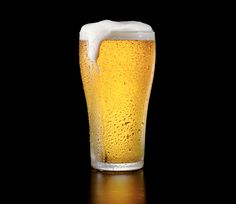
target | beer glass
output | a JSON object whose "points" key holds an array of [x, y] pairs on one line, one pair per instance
{"points": [[117, 88]]}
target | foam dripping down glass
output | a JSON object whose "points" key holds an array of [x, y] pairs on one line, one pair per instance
{"points": [[117, 62]]}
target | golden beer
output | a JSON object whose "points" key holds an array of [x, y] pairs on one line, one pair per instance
{"points": [[117, 89]]}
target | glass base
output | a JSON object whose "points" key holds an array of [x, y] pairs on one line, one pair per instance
{"points": [[117, 166]]}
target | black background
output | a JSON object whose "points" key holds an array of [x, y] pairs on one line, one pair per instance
{"points": [[51, 115]]}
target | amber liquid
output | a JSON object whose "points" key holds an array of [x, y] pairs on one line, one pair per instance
{"points": [[117, 88]]}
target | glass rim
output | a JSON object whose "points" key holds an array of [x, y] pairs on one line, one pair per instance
{"points": [[128, 35], [132, 35], [122, 31]]}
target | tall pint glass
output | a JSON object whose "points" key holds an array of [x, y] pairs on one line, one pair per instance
{"points": [[117, 88]]}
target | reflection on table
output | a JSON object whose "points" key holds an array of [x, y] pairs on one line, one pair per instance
{"points": [[117, 188]]}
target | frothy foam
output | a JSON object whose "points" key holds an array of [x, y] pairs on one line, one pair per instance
{"points": [[95, 33]]}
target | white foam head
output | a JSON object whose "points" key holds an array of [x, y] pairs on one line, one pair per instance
{"points": [[95, 33]]}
